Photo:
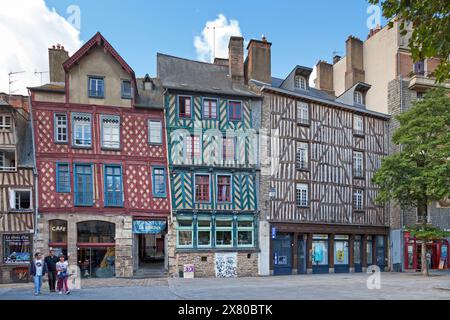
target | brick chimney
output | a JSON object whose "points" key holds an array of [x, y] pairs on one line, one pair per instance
{"points": [[56, 57], [336, 59], [355, 63], [324, 80], [236, 59], [258, 63]]}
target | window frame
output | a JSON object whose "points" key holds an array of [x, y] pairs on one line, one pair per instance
{"points": [[3, 167], [179, 114], [209, 188], [105, 175], [122, 91], [159, 195], [58, 170], [230, 176], [210, 117], [81, 114], [191, 229], [57, 126], [358, 192], [357, 97], [97, 78], [232, 118], [75, 166], [204, 229], [300, 108], [3, 126], [224, 146], [299, 204], [298, 81], [306, 156], [358, 119], [102, 131], [160, 133], [356, 166], [252, 229], [224, 229], [12, 199], [192, 155]]}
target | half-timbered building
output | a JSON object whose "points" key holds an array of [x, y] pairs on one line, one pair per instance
{"points": [[17, 197], [317, 198], [211, 120], [101, 162]]}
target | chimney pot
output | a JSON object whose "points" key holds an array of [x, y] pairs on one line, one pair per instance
{"points": [[56, 57]]}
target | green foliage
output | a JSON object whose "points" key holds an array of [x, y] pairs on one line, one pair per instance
{"points": [[427, 232], [420, 172], [431, 28]]}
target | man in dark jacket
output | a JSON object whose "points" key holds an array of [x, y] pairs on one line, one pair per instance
{"points": [[50, 262], [38, 269]]}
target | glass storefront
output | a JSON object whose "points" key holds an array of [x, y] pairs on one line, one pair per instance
{"points": [[16, 248], [341, 250], [320, 250]]}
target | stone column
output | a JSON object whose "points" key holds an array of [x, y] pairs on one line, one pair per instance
{"points": [[171, 248], [72, 251], [124, 247]]}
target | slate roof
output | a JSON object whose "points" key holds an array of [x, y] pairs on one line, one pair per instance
{"points": [[50, 87], [153, 98], [183, 74]]}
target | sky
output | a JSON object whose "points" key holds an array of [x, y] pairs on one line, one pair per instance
{"points": [[302, 32]]}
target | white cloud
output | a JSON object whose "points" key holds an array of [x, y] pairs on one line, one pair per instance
{"points": [[313, 77], [28, 28], [204, 43]]}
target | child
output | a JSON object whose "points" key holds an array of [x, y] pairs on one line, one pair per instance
{"points": [[38, 269], [61, 268]]}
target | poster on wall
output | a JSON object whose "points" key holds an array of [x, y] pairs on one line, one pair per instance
{"points": [[20, 275], [226, 265], [17, 248]]}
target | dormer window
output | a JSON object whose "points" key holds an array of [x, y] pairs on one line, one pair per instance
{"points": [[300, 82], [358, 98]]}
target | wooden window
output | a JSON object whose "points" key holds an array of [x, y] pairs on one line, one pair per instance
{"points": [[62, 177], [8, 160], [358, 200], [84, 189], [229, 149], [300, 82], [184, 107], [302, 195], [185, 232], [154, 132], [96, 87], [110, 132], [60, 128], [5, 123], [82, 130], [126, 89], [204, 228], [224, 188], [302, 113], [358, 164], [302, 156], [224, 232], [210, 108], [358, 124], [159, 182], [358, 98], [202, 190], [113, 186], [20, 199], [234, 110], [193, 147], [245, 234]]}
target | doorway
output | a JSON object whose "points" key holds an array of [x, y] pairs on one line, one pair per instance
{"points": [[282, 255], [151, 251]]}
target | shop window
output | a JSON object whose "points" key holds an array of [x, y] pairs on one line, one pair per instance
{"points": [[57, 232], [83, 185], [245, 232], [224, 188], [96, 232], [97, 262], [210, 108], [61, 128], [184, 106], [82, 130], [113, 186], [16, 248], [203, 231], [320, 250], [341, 250], [185, 232], [62, 177], [110, 132], [20, 199], [224, 232]]}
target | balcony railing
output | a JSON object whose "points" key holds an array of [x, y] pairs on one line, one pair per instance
{"points": [[113, 199], [84, 199]]}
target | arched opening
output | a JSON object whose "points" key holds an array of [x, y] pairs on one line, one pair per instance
{"points": [[58, 236]]}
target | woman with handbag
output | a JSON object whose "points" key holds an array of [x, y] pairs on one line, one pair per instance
{"points": [[61, 268]]}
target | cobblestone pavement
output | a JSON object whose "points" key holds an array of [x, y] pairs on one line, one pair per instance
{"points": [[329, 286]]}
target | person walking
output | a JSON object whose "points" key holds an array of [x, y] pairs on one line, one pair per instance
{"points": [[50, 262], [38, 269], [62, 274]]}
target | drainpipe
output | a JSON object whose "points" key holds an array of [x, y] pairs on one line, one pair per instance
{"points": [[36, 199]]}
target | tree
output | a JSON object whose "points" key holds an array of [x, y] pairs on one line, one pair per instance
{"points": [[430, 21], [420, 173]]}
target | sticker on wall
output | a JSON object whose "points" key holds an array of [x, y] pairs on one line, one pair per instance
{"points": [[226, 265]]}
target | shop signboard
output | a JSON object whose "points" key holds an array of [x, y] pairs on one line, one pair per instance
{"points": [[148, 227], [188, 271]]}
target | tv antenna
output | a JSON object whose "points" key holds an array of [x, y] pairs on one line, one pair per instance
{"points": [[41, 73], [10, 81], [214, 38]]}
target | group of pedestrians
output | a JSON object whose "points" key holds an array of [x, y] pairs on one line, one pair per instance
{"points": [[56, 269]]}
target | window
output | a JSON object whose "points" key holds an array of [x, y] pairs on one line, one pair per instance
{"points": [[159, 182], [110, 132], [193, 147], [358, 124], [224, 188], [358, 160], [17, 248], [5, 123], [154, 132], [302, 156], [62, 177], [229, 149], [300, 82], [96, 87], [83, 185], [60, 128], [126, 89], [82, 131], [234, 110], [358, 203], [419, 68], [245, 232], [57, 231], [184, 106], [185, 232], [302, 195], [224, 232], [302, 113], [203, 231], [320, 250], [202, 188], [358, 98], [113, 186], [20, 199], [7, 160], [210, 108], [96, 232]]}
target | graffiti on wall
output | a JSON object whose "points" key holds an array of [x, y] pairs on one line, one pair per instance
{"points": [[226, 265]]}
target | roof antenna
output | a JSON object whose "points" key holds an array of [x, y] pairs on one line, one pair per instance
{"points": [[10, 82], [40, 73], [214, 39]]}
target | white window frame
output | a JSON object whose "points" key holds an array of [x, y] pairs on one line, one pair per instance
{"points": [[3, 125], [225, 229], [302, 112], [358, 124], [358, 98], [300, 82], [107, 128], [191, 229], [204, 229], [302, 161], [61, 129], [153, 136], [252, 229], [358, 200], [358, 163], [84, 126], [3, 161], [301, 195], [12, 199]]}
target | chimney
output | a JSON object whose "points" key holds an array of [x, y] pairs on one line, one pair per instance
{"points": [[221, 61], [336, 59], [324, 80], [373, 32], [56, 57], [355, 63], [258, 63], [236, 59]]}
